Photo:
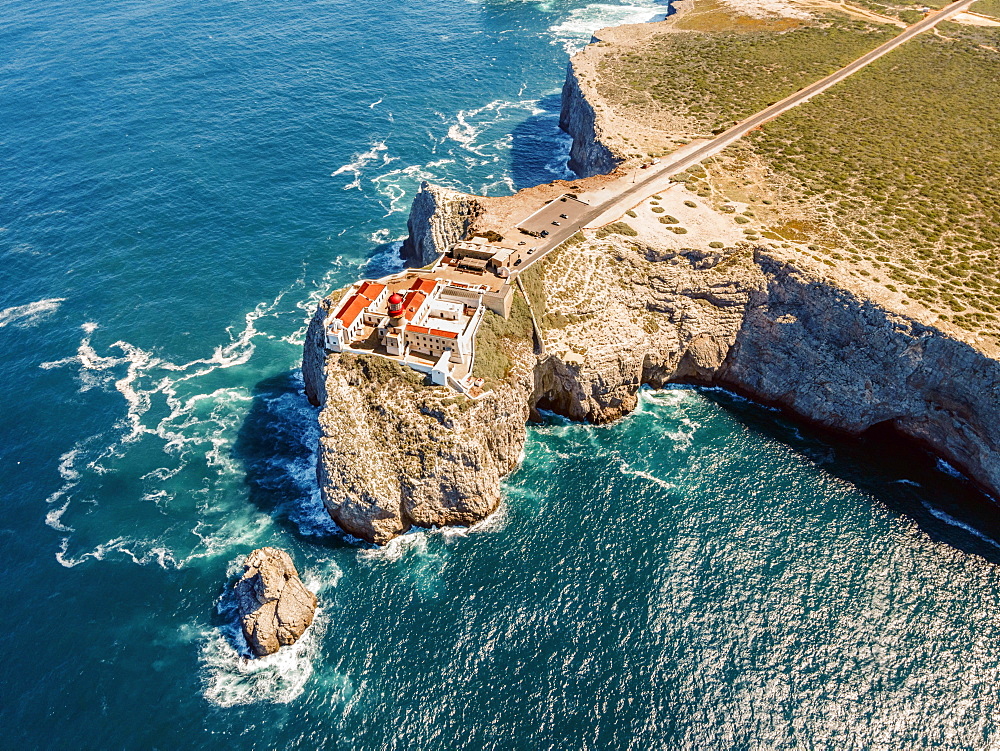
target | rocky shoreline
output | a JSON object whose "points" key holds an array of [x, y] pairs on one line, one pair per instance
{"points": [[764, 322]]}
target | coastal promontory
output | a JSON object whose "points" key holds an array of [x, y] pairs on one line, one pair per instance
{"points": [[827, 264]]}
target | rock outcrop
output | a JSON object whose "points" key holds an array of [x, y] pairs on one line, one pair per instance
{"points": [[395, 452], [845, 362], [275, 607], [438, 218]]}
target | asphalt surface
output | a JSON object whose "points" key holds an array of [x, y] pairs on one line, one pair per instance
{"points": [[642, 188], [561, 211]]}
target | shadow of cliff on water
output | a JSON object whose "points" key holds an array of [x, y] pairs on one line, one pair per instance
{"points": [[539, 150], [277, 447], [890, 467]]}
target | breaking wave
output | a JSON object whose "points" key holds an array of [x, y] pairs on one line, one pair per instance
{"points": [[358, 162], [23, 316], [173, 459], [953, 522], [231, 676], [575, 32]]}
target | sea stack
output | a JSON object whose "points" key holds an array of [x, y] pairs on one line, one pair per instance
{"points": [[275, 606]]}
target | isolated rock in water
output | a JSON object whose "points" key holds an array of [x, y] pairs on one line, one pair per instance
{"points": [[275, 606]]}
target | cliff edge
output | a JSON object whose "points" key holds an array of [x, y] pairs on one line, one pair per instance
{"points": [[396, 452]]}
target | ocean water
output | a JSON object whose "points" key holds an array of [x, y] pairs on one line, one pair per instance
{"points": [[179, 184]]}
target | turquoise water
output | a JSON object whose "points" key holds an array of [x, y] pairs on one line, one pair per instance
{"points": [[179, 183]]}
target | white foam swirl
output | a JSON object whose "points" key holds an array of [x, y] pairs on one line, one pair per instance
{"points": [[23, 316]]}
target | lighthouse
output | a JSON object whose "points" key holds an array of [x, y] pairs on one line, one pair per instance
{"points": [[395, 305]]}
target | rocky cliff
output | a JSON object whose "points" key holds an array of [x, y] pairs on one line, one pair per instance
{"points": [[845, 362], [396, 452], [438, 218], [621, 312], [763, 324], [589, 155], [652, 303]]}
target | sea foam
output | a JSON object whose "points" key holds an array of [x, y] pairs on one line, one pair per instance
{"points": [[231, 677], [576, 31], [23, 316]]}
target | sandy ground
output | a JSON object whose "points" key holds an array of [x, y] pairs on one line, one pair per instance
{"points": [[769, 8], [703, 223], [975, 19]]}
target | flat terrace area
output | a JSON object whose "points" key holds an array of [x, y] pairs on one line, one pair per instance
{"points": [[562, 212], [367, 341], [448, 271], [401, 282]]}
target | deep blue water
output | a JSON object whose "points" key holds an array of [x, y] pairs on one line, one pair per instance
{"points": [[179, 183]]}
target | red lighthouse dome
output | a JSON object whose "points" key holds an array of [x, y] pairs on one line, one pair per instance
{"points": [[395, 305]]}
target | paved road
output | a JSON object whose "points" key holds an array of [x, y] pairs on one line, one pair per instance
{"points": [[616, 205]]}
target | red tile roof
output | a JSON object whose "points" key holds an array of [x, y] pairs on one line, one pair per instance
{"points": [[432, 332], [371, 290], [424, 285], [412, 303], [367, 293], [352, 309]]}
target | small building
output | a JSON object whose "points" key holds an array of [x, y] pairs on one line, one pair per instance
{"points": [[478, 256]]}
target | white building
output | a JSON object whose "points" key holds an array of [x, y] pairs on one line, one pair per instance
{"points": [[347, 323], [433, 318]]}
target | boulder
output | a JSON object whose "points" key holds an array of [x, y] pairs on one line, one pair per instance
{"points": [[274, 605]]}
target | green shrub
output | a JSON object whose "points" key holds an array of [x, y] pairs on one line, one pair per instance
{"points": [[657, 209], [616, 228]]}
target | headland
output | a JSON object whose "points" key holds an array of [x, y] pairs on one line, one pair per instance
{"points": [[834, 261]]}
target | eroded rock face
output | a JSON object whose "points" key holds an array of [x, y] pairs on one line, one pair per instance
{"points": [[588, 155], [396, 453], [844, 361], [438, 218], [274, 605], [760, 321]]}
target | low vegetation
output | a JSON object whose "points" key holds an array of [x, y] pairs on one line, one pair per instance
{"points": [[496, 339], [987, 8], [380, 370], [712, 15], [616, 228], [499, 337], [908, 11], [694, 76], [896, 167], [889, 176]]}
